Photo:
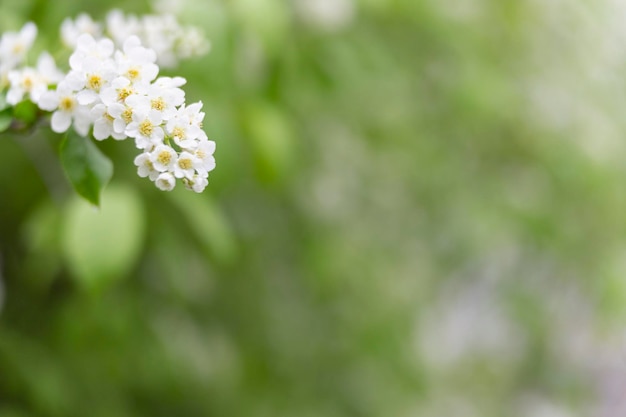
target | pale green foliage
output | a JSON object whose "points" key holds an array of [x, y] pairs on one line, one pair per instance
{"points": [[102, 244]]}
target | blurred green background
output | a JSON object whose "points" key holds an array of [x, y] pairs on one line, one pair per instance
{"points": [[418, 210]]}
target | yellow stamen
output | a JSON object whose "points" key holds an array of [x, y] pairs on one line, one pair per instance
{"points": [[66, 104], [158, 104], [146, 127], [185, 163], [94, 82], [164, 158], [122, 93], [127, 115], [178, 132], [133, 73]]}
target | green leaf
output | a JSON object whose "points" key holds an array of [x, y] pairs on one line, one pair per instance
{"points": [[103, 245], [88, 169], [5, 120], [26, 111]]}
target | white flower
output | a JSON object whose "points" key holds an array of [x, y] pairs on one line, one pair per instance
{"points": [[114, 97], [139, 103], [192, 42], [163, 158], [170, 82], [121, 27], [33, 82], [205, 151], [89, 52], [165, 181], [25, 81], [161, 33], [193, 113], [122, 115], [63, 100], [103, 123], [47, 69], [15, 45], [72, 29], [145, 167], [184, 132], [186, 165], [198, 183], [5, 68], [163, 100], [145, 129], [94, 76], [136, 62], [117, 92]]}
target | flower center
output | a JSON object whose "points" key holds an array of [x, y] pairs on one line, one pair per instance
{"points": [[200, 153], [28, 83], [122, 93], [133, 73], [94, 82], [146, 127], [127, 115], [185, 163], [178, 132], [158, 104], [164, 158], [66, 104]]}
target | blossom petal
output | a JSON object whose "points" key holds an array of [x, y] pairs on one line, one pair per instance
{"points": [[101, 129], [49, 101], [61, 121]]}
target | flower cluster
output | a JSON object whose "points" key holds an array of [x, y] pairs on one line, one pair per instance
{"points": [[25, 81], [113, 90], [117, 92], [161, 33], [13, 49]]}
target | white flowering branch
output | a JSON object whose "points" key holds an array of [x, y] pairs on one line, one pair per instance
{"points": [[112, 90]]}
